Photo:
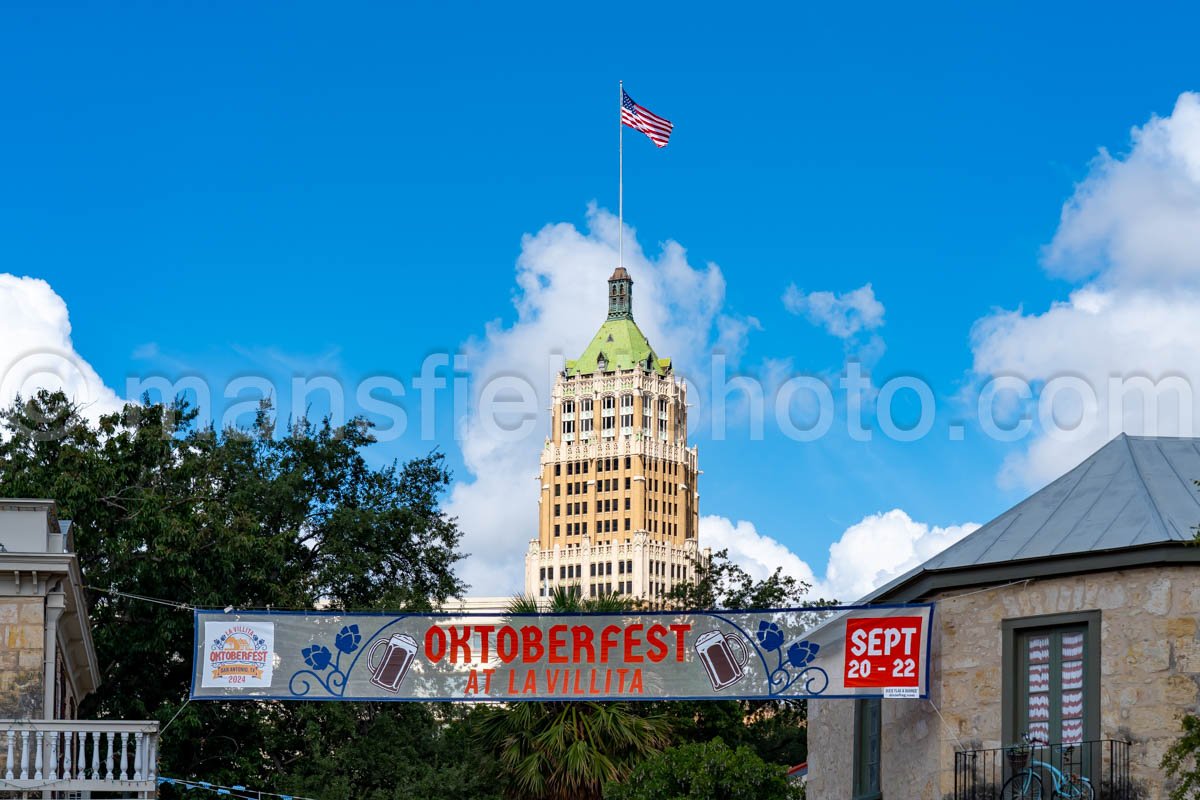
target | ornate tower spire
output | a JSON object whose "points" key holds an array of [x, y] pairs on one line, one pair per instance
{"points": [[618, 509], [620, 295]]}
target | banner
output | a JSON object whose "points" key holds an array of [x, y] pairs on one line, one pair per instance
{"points": [[845, 651]]}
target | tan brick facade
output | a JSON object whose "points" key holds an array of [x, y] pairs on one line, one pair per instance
{"points": [[618, 505]]}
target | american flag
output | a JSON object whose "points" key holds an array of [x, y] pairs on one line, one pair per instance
{"points": [[649, 123]]}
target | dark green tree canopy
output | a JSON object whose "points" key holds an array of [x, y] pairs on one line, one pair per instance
{"points": [[704, 770], [243, 518]]}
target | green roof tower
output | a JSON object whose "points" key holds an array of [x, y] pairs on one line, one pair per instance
{"points": [[619, 506]]}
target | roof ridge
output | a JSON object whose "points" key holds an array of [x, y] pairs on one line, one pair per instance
{"points": [[1103, 492], [1137, 470], [1086, 466], [1188, 486]]}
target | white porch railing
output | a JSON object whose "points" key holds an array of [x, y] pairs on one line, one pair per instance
{"points": [[113, 756]]}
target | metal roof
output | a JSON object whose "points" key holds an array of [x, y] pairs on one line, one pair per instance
{"points": [[1133, 492], [623, 345]]}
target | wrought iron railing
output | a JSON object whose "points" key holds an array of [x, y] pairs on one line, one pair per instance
{"points": [[1092, 769]]}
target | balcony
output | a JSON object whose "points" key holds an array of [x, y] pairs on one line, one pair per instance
{"points": [[118, 758], [1096, 769]]}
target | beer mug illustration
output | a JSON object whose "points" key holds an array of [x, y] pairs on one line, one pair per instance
{"points": [[715, 650], [389, 670]]}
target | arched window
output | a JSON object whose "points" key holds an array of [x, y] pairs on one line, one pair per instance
{"points": [[568, 420], [608, 416], [626, 414], [586, 422]]}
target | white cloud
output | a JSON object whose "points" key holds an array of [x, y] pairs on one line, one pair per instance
{"points": [[1136, 220], [850, 316], [36, 350], [841, 315], [1132, 231], [561, 301], [868, 554]]}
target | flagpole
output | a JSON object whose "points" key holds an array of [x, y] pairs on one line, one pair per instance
{"points": [[620, 176]]}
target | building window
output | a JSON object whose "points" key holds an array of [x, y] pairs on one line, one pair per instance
{"points": [[867, 729], [557, 470], [627, 523], [626, 414], [627, 484], [556, 530], [608, 416], [585, 420], [628, 461], [647, 405], [557, 509], [1051, 676]]}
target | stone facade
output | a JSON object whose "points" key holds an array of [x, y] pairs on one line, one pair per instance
{"points": [[21, 657], [1149, 677]]}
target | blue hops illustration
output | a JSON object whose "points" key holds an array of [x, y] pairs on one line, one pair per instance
{"points": [[770, 635], [801, 654], [317, 656], [348, 640]]}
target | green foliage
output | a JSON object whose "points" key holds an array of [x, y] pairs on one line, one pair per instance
{"points": [[568, 600], [721, 583], [704, 770], [244, 518], [1182, 761], [775, 729], [568, 751]]}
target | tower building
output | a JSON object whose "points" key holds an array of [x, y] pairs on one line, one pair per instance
{"points": [[618, 509]]}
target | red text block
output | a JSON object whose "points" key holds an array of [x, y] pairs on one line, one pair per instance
{"points": [[883, 652]]}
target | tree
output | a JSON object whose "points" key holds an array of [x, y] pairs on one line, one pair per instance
{"points": [[241, 518], [704, 770], [1182, 760], [720, 583], [568, 750], [774, 729]]}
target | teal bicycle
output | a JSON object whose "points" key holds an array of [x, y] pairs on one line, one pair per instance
{"points": [[1027, 783]]}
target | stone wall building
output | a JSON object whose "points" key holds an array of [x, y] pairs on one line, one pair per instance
{"points": [[48, 666], [618, 505], [47, 661], [1072, 616]]}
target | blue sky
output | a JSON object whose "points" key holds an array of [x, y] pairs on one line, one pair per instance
{"points": [[343, 190]]}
